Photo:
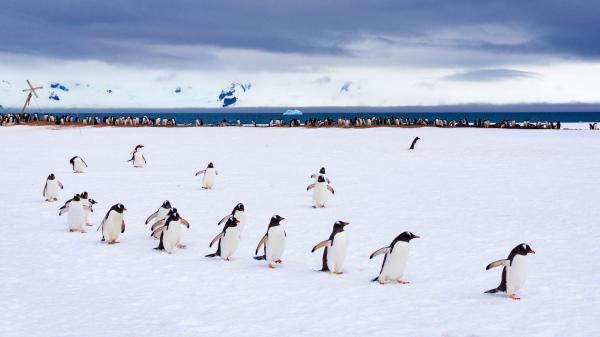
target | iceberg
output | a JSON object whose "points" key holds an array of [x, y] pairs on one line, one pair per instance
{"points": [[292, 112]]}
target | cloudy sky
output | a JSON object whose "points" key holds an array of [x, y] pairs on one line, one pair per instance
{"points": [[300, 53]]}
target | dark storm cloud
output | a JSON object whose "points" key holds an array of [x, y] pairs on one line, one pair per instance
{"points": [[120, 30], [489, 75]]}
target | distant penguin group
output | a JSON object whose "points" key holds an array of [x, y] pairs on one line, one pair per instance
{"points": [[168, 223]]}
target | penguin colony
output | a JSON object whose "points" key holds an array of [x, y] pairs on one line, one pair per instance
{"points": [[167, 229], [356, 122]]}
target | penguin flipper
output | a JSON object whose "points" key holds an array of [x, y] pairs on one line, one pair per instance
{"points": [[157, 232], [325, 243], [157, 224], [498, 263], [330, 189], [375, 279], [225, 218], [63, 210], [262, 242], [217, 238], [200, 172], [45, 188], [123, 226], [384, 250], [60, 184], [310, 186], [152, 216]]}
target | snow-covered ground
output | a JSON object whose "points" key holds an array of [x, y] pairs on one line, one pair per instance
{"points": [[472, 194]]}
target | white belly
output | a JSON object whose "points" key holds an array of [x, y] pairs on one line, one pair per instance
{"points": [[112, 226], [229, 242], [86, 211], [516, 274], [76, 218], [275, 244], [208, 180], [241, 216], [395, 263], [336, 254], [52, 189], [172, 236], [138, 159], [320, 195], [78, 165]]}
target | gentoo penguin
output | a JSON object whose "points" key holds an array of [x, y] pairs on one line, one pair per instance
{"points": [[113, 224], [321, 187], [52, 188], [514, 272], [161, 213], [394, 261], [76, 218], [170, 231], [315, 176], [273, 241], [414, 142], [335, 249], [137, 157], [210, 174], [239, 212], [78, 164], [228, 240]]}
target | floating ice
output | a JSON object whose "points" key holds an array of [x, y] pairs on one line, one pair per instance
{"points": [[228, 95], [177, 90], [292, 112], [54, 96], [57, 85]]}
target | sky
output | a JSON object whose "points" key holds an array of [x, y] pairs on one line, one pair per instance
{"points": [[300, 53]]}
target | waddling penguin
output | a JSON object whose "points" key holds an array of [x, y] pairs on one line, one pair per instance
{"points": [[514, 272], [169, 231], [78, 164], [321, 173], [137, 157], [161, 213], [228, 240], [394, 261], [76, 218], [113, 224], [321, 188], [273, 241], [210, 174], [52, 188], [335, 249], [414, 142]]}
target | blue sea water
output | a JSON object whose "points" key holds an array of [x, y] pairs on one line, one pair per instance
{"points": [[264, 115]]}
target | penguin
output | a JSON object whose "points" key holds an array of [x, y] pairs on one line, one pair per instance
{"points": [[113, 224], [335, 249], [88, 207], [320, 192], [77, 163], [161, 213], [169, 231], [321, 173], [414, 142], [239, 212], [137, 157], [228, 240], [210, 174], [161, 222], [76, 218], [514, 272], [394, 261], [52, 188], [273, 241]]}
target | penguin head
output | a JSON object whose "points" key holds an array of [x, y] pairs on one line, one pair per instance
{"points": [[321, 179], [523, 249], [51, 176], [76, 197], [210, 165], [174, 215], [139, 147], [322, 170], [340, 225], [406, 237], [239, 207], [119, 208], [166, 204], [83, 195], [275, 220]]}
